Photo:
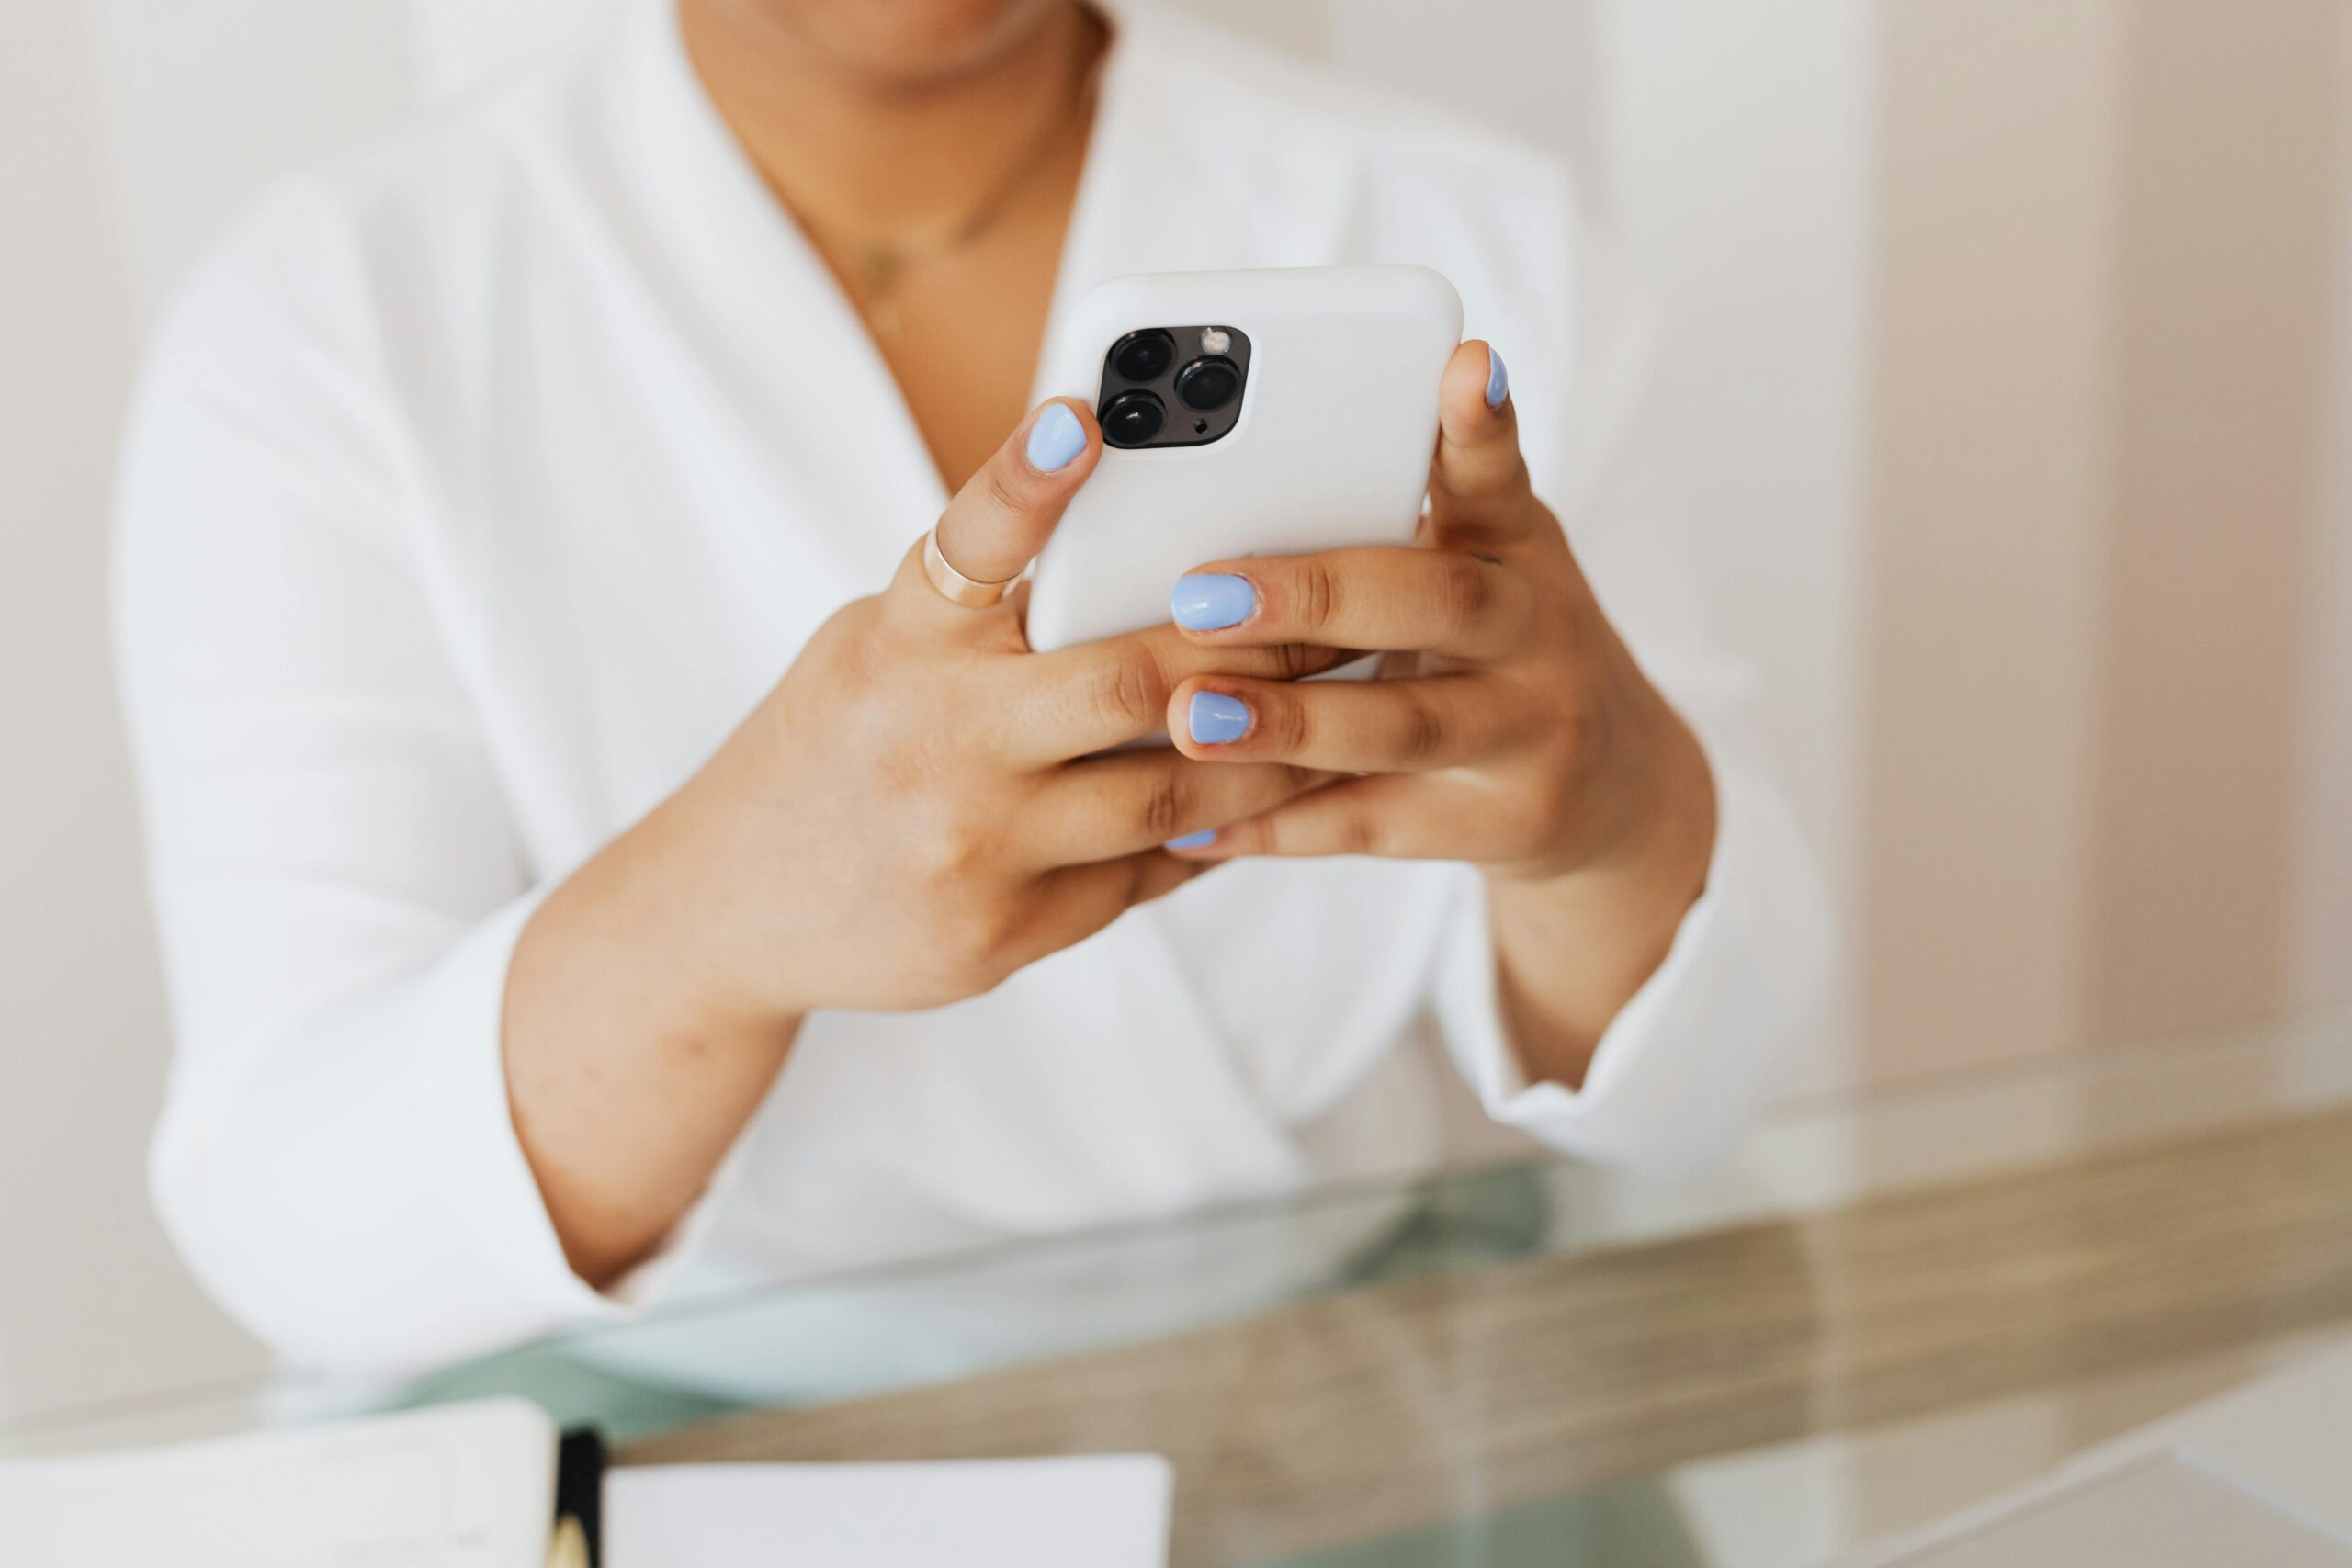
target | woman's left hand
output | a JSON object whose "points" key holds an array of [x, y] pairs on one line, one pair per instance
{"points": [[1512, 729]]}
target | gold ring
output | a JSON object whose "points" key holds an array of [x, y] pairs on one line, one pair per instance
{"points": [[953, 585]]}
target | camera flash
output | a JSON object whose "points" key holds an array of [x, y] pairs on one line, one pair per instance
{"points": [[1215, 340]]}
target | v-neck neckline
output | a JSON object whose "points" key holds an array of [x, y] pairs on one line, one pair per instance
{"points": [[761, 221]]}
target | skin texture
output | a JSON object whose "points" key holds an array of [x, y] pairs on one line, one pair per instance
{"points": [[891, 121], [915, 812]]}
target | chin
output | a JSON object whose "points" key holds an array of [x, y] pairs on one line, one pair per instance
{"points": [[913, 39]]}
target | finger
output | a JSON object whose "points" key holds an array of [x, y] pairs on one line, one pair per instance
{"points": [[1077, 701], [1106, 807], [1352, 727], [1389, 815], [1138, 879], [1391, 597], [1000, 519], [1078, 900], [1479, 485]]}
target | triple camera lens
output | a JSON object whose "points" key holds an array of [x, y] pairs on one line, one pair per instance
{"points": [[1177, 385]]}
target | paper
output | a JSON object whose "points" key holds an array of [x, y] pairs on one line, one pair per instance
{"points": [[462, 1487], [2254, 1476], [1104, 1511]]}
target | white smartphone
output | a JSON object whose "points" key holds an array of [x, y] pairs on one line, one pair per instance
{"points": [[1274, 413]]}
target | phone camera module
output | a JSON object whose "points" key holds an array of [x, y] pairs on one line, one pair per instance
{"points": [[1207, 385], [1176, 385], [1133, 417], [1145, 355]]}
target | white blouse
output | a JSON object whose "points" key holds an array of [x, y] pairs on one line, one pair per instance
{"points": [[486, 476]]}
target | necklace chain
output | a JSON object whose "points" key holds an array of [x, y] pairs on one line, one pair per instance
{"points": [[882, 264]]}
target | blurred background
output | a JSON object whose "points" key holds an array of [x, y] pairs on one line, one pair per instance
{"points": [[2006, 372]]}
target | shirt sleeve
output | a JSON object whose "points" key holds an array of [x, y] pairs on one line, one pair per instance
{"points": [[1688, 1059], [338, 879]]}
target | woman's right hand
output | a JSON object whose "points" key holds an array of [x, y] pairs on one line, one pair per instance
{"points": [[915, 812]]}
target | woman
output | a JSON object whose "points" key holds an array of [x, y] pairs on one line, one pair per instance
{"points": [[596, 860]]}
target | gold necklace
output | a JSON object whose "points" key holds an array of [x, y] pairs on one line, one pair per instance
{"points": [[882, 265]]}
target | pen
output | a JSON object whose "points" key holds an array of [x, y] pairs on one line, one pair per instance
{"points": [[578, 1539]]}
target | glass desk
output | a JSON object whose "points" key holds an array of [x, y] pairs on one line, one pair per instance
{"points": [[1494, 1366]]}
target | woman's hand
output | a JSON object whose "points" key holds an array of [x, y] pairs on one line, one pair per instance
{"points": [[918, 810], [915, 812], [1514, 730]]}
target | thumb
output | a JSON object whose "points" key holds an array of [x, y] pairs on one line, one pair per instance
{"points": [[1478, 484], [1000, 519]]}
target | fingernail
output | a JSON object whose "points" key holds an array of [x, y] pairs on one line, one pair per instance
{"points": [[1056, 438], [1211, 601], [1216, 719], [1497, 379], [1193, 841]]}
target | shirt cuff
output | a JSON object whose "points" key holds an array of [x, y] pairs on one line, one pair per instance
{"points": [[1684, 1062]]}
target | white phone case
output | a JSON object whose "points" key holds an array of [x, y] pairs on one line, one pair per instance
{"points": [[1337, 428]]}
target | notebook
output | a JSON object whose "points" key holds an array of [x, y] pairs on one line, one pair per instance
{"points": [[1100, 1511], [473, 1486], [468, 1486]]}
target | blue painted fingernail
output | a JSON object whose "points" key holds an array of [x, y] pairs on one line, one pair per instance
{"points": [[1193, 841], [1056, 438], [1211, 601], [1497, 379], [1216, 719]]}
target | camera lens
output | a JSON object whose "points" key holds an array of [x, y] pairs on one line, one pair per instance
{"points": [[1207, 384], [1144, 356], [1133, 417]]}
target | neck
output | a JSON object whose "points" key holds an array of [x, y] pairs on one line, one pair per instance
{"points": [[855, 148]]}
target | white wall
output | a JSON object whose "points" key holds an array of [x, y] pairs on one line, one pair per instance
{"points": [[91, 1303]]}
